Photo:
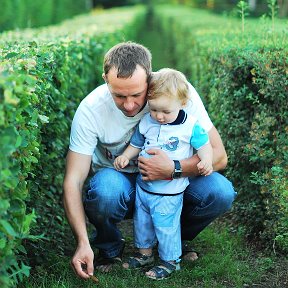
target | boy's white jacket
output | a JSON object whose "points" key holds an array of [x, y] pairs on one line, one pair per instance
{"points": [[177, 140]]}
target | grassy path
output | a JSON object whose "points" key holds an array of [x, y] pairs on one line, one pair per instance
{"points": [[151, 40], [224, 261]]}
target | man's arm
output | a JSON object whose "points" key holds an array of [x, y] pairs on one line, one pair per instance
{"points": [[77, 169], [220, 158], [161, 167]]}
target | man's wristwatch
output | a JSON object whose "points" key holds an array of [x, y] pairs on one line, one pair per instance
{"points": [[177, 173]]}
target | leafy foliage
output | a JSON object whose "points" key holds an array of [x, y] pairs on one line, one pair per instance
{"points": [[42, 82], [17, 14], [254, 122]]}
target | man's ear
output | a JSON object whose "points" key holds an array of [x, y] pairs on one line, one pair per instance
{"points": [[104, 77]]}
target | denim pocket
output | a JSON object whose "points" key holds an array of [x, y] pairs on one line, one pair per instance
{"points": [[90, 195], [162, 219]]}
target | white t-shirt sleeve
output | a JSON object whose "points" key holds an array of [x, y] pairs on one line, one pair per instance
{"points": [[195, 107], [83, 137]]}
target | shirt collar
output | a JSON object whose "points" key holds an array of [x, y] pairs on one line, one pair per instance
{"points": [[181, 118]]}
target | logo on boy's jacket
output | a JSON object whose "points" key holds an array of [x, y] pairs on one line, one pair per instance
{"points": [[171, 144]]}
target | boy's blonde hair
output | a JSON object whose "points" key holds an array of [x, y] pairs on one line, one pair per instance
{"points": [[170, 83]]}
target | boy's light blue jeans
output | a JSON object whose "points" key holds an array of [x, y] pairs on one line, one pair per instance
{"points": [[157, 217], [111, 196]]}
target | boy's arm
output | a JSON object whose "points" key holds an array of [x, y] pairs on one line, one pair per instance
{"points": [[131, 152], [123, 160], [205, 153]]}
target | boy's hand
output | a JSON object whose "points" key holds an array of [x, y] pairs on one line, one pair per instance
{"points": [[204, 168], [120, 162]]}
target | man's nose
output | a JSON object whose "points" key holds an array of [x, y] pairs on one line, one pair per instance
{"points": [[129, 104]]}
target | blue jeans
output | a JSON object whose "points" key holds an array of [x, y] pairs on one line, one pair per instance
{"points": [[111, 196]]}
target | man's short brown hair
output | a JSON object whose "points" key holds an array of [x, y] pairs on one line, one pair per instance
{"points": [[125, 57]]}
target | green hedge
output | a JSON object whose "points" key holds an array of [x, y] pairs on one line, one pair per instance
{"points": [[17, 14], [254, 122], [242, 78], [44, 75]]}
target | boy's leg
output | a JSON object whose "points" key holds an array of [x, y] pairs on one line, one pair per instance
{"points": [[144, 234], [109, 199], [205, 199], [166, 212]]}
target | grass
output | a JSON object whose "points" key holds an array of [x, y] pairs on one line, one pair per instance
{"points": [[225, 261]]}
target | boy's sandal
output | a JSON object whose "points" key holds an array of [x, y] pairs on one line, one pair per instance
{"points": [[187, 250], [163, 270], [138, 260]]}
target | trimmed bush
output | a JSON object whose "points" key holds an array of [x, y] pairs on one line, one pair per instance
{"points": [[45, 73], [17, 14]]}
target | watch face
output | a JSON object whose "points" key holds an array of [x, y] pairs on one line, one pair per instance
{"points": [[177, 174]]}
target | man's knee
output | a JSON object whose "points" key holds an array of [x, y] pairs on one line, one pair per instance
{"points": [[105, 182], [214, 191], [101, 192], [222, 193], [109, 191], [225, 200]]}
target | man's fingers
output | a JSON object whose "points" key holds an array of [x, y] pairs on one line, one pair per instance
{"points": [[152, 151], [142, 171], [90, 268], [142, 160], [80, 269], [144, 174], [73, 267]]}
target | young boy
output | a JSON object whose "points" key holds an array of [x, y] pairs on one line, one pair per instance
{"points": [[158, 203]]}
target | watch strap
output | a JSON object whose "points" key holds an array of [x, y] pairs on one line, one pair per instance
{"points": [[177, 166], [177, 173]]}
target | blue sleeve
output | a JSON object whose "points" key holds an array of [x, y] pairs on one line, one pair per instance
{"points": [[137, 139], [199, 137]]}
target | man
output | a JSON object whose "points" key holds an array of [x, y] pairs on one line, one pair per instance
{"points": [[101, 130]]}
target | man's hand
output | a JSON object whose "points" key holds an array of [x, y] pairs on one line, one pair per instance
{"points": [[82, 261], [158, 167]]}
